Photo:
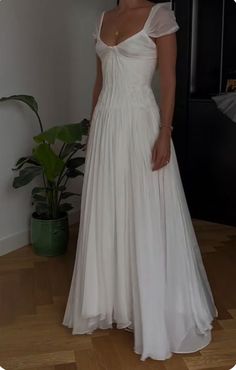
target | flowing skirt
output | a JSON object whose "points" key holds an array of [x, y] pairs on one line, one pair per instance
{"points": [[138, 262]]}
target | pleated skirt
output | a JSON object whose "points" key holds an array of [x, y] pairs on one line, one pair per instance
{"points": [[138, 263]]}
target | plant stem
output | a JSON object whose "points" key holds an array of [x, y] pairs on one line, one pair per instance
{"points": [[44, 182], [50, 203], [39, 119], [62, 148], [62, 174], [59, 200], [55, 202]]}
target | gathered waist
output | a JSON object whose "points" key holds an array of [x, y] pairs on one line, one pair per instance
{"points": [[113, 95]]}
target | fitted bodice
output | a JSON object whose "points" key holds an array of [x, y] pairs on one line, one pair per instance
{"points": [[128, 67]]}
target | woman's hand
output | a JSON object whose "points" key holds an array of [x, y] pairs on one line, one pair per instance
{"points": [[161, 150]]}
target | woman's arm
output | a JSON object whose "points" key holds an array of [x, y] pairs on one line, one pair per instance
{"points": [[97, 86], [96, 92], [167, 53]]}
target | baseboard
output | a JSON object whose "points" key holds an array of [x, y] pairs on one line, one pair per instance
{"points": [[21, 239], [14, 242]]}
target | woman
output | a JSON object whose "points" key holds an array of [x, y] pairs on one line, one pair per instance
{"points": [[138, 263]]}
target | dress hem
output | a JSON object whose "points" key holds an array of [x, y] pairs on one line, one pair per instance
{"points": [[142, 356]]}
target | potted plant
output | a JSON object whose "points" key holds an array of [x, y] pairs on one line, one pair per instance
{"points": [[55, 159]]}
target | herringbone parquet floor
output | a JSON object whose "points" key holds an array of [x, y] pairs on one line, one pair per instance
{"points": [[33, 293]]}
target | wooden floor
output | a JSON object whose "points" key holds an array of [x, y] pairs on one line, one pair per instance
{"points": [[33, 294]]}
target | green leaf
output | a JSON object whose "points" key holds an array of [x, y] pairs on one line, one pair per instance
{"points": [[42, 208], [72, 172], [70, 148], [22, 161], [27, 99], [85, 123], [49, 136], [75, 162], [65, 207], [26, 176], [39, 198], [66, 195], [69, 133], [52, 165], [38, 190]]}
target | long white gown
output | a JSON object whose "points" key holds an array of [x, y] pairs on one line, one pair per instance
{"points": [[138, 262]]}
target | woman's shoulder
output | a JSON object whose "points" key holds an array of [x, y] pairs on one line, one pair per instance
{"points": [[161, 8], [163, 20]]}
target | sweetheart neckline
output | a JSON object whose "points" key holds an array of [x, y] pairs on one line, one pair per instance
{"points": [[130, 37], [127, 39], [121, 42]]}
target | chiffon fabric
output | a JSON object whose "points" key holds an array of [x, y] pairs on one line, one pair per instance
{"points": [[138, 262]]}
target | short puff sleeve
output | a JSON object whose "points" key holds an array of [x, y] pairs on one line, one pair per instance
{"points": [[163, 22]]}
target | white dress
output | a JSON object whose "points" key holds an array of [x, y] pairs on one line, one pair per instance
{"points": [[138, 262]]}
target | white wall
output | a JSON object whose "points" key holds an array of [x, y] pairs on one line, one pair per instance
{"points": [[46, 50]]}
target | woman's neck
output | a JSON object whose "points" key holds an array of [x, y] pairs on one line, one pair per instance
{"points": [[128, 4]]}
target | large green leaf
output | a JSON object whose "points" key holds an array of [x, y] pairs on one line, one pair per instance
{"points": [[22, 161], [49, 136], [27, 99], [26, 176], [68, 194], [71, 133], [75, 162], [42, 209], [38, 190], [85, 124], [68, 134], [39, 198], [73, 172], [52, 165], [70, 148]]}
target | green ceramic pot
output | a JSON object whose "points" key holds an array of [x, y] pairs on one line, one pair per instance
{"points": [[49, 237]]}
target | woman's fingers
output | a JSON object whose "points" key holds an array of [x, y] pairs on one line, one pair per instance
{"points": [[154, 154], [157, 164], [161, 161], [160, 156]]}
